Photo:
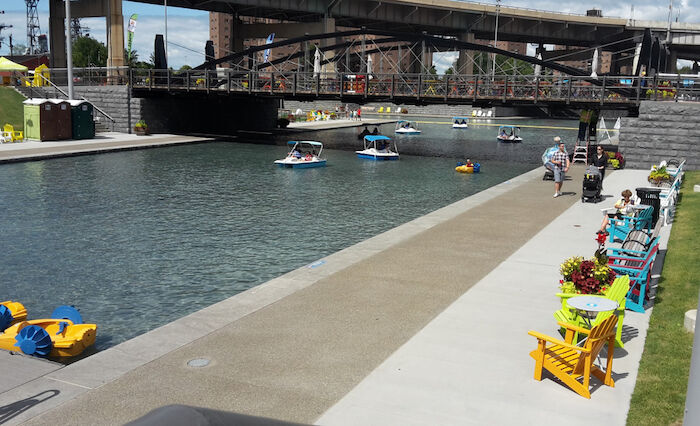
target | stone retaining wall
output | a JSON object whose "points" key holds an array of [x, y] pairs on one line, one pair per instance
{"points": [[663, 130]]}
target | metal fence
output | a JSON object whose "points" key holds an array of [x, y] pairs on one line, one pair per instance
{"points": [[566, 89], [422, 87]]}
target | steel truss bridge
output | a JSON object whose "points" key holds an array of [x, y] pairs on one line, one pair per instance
{"points": [[339, 66], [419, 89]]}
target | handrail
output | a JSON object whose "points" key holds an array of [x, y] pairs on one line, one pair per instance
{"points": [[82, 97], [52, 84], [607, 90]]}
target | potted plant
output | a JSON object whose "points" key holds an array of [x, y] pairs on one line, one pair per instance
{"points": [[616, 160], [581, 276], [659, 176], [141, 128]]}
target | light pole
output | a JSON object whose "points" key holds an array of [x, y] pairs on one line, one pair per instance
{"points": [[165, 2], [69, 52], [495, 39]]}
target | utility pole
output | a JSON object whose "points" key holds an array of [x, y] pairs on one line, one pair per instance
{"points": [[668, 30], [69, 51], [2, 27]]}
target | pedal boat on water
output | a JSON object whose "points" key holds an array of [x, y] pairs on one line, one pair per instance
{"points": [[303, 155], [460, 122], [509, 134], [378, 147], [405, 127]]}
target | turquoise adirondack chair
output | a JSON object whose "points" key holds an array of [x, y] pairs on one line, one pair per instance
{"points": [[617, 292], [619, 228], [637, 265]]}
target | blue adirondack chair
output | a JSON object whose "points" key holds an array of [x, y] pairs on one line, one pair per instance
{"points": [[619, 228], [637, 264]]}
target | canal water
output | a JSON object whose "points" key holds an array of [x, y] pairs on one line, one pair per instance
{"points": [[140, 238]]}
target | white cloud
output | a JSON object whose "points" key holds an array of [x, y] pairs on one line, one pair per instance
{"points": [[192, 32]]}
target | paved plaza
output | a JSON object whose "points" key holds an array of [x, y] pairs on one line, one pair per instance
{"points": [[424, 324]]}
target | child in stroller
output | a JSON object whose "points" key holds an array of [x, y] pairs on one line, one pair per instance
{"points": [[592, 185]]}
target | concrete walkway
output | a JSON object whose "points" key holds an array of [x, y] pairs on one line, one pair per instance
{"points": [[103, 142], [424, 324]]}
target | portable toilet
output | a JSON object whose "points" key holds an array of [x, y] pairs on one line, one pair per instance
{"points": [[62, 114], [39, 120], [83, 125]]}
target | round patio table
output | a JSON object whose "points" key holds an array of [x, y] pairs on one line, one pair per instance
{"points": [[589, 306]]}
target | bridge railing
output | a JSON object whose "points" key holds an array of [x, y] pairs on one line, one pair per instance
{"points": [[428, 87]]}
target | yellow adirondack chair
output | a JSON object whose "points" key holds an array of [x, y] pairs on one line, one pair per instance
{"points": [[381, 110], [16, 135], [569, 363], [617, 292], [388, 110]]}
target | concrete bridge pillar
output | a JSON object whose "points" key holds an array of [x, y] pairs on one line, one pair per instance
{"points": [[671, 62], [115, 34], [465, 61], [57, 34], [328, 27], [110, 9]]}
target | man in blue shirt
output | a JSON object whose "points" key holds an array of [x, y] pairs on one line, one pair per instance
{"points": [[560, 159]]}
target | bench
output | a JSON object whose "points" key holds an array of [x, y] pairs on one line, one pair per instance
{"points": [[668, 198]]}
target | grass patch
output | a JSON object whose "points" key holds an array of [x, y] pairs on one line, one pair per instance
{"points": [[11, 108], [659, 394]]}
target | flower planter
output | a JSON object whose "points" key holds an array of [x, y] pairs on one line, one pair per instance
{"points": [[141, 131]]}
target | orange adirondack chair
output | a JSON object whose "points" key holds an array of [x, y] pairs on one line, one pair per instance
{"points": [[569, 362]]}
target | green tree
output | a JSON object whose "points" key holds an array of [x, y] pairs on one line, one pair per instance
{"points": [[88, 52], [685, 70], [18, 49]]}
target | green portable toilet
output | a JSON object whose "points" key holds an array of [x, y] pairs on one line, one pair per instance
{"points": [[62, 119], [81, 119], [40, 120]]}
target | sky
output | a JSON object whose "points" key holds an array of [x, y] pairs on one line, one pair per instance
{"points": [[188, 30]]}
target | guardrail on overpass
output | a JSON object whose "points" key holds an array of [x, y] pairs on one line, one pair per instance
{"points": [[612, 92]]}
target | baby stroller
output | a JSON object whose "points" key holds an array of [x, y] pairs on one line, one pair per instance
{"points": [[592, 185]]}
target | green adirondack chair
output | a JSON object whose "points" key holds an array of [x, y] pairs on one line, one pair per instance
{"points": [[617, 292]]}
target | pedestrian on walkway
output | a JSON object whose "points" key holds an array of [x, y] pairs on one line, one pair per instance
{"points": [[584, 119], [560, 159], [359, 113], [600, 160]]}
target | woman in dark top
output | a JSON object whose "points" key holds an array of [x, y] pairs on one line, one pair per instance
{"points": [[600, 160]]}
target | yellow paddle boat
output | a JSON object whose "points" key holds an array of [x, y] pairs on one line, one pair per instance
{"points": [[11, 313], [64, 335], [468, 167]]}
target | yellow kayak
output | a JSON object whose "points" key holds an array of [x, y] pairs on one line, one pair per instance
{"points": [[464, 169]]}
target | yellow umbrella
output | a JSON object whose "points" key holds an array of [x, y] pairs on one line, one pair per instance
{"points": [[8, 65]]}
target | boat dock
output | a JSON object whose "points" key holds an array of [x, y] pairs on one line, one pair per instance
{"points": [[337, 124], [423, 324], [103, 142]]}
